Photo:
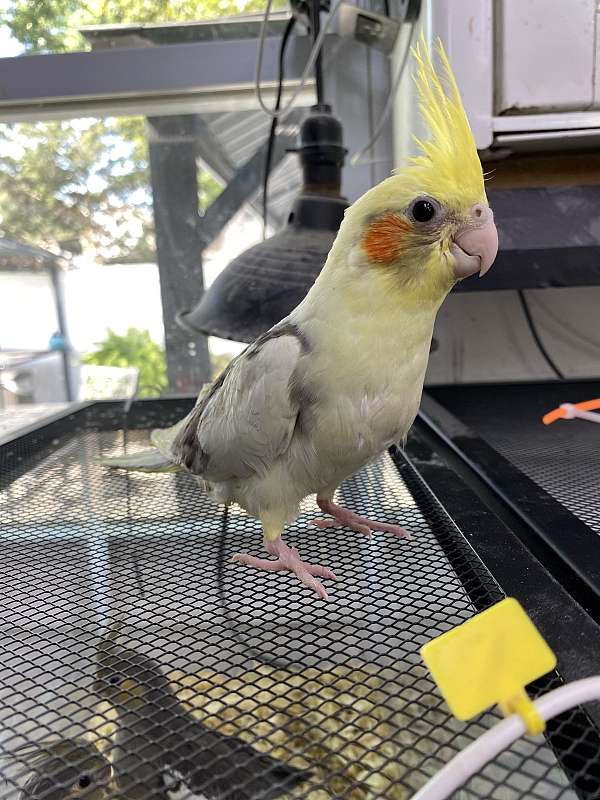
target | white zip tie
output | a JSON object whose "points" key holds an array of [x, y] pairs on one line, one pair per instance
{"points": [[474, 757], [576, 413]]}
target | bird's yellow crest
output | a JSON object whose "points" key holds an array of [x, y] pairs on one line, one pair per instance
{"points": [[448, 165]]}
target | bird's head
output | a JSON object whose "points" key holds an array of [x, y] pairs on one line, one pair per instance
{"points": [[124, 677], [429, 225], [69, 769]]}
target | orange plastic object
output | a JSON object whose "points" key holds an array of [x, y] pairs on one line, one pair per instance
{"points": [[560, 413]]}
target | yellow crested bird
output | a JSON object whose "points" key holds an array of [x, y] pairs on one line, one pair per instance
{"points": [[339, 380]]}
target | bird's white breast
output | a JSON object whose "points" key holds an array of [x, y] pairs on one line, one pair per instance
{"points": [[363, 378], [362, 410]]}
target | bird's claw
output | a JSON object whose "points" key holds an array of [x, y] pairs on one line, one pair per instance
{"points": [[343, 518], [394, 530], [324, 524], [290, 562]]}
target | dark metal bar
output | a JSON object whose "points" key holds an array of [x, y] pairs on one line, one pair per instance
{"points": [[483, 542], [239, 190], [41, 438], [175, 198], [536, 515], [493, 532], [142, 71], [209, 149], [61, 317], [243, 27]]}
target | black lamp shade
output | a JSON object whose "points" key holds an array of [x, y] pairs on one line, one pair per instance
{"points": [[263, 284]]}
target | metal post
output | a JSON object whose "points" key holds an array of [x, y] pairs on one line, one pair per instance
{"points": [[59, 302], [175, 199]]}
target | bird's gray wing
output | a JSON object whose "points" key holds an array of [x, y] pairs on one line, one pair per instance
{"points": [[247, 418]]}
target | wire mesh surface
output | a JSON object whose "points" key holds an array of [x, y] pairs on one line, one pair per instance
{"points": [[563, 458], [104, 565]]}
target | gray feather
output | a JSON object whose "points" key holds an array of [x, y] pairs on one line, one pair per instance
{"points": [[146, 461], [247, 418], [64, 769], [157, 739], [159, 458], [284, 328]]}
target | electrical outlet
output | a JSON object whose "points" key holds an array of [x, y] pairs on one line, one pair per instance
{"points": [[375, 30]]}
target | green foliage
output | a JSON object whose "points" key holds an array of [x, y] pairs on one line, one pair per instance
{"points": [[51, 25], [88, 180], [85, 180], [134, 349], [208, 189], [219, 362]]}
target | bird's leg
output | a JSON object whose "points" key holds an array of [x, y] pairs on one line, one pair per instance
{"points": [[343, 518], [287, 559]]}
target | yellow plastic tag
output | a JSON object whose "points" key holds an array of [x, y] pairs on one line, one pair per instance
{"points": [[490, 659]]}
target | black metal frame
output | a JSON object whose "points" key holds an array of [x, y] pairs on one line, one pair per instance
{"points": [[100, 415], [509, 522], [472, 482], [437, 467], [493, 533], [566, 546]]}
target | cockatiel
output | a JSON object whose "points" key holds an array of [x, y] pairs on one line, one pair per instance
{"points": [[66, 769], [159, 745], [330, 387]]}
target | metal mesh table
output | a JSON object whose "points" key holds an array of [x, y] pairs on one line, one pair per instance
{"points": [[335, 688], [550, 475], [563, 458]]}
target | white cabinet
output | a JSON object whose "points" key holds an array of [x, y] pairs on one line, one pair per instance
{"points": [[528, 70], [544, 55]]}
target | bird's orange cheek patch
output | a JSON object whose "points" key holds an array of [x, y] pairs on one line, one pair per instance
{"points": [[383, 239]]}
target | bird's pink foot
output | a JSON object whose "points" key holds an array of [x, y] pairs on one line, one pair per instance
{"points": [[343, 518], [288, 560]]}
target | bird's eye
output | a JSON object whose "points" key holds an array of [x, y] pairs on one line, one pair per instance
{"points": [[84, 781], [114, 680], [423, 210]]}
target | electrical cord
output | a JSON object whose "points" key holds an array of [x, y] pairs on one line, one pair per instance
{"points": [[314, 17], [282, 113], [490, 744], [536, 337], [387, 110], [274, 122]]}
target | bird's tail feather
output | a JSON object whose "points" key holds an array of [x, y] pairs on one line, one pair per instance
{"points": [[147, 461], [159, 458]]}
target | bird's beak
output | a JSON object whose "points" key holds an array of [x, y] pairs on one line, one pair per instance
{"points": [[474, 247]]}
